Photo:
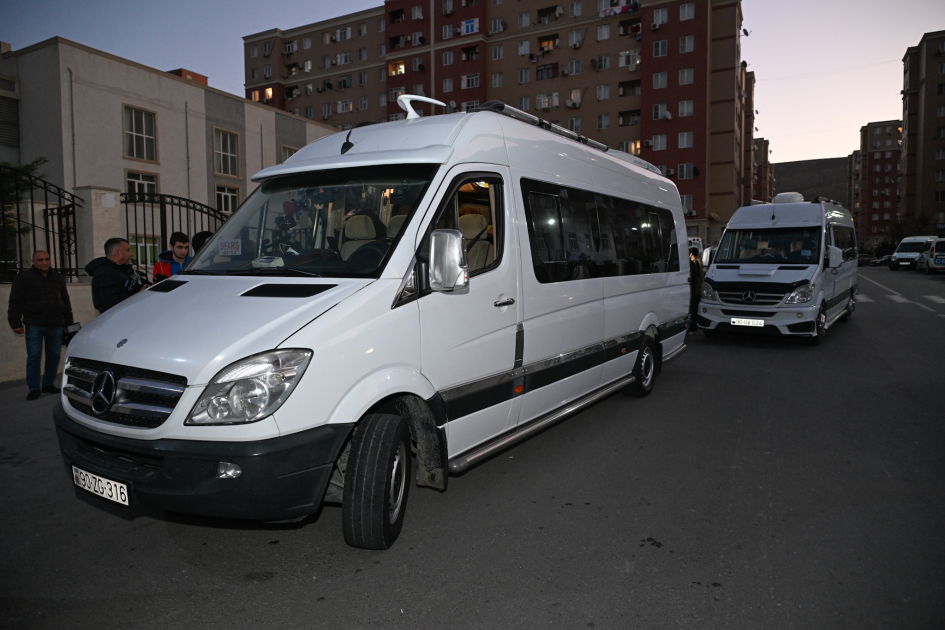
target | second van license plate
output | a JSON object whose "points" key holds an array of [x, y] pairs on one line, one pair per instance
{"points": [[738, 321]]}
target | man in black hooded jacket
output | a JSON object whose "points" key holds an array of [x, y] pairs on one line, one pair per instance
{"points": [[113, 278]]}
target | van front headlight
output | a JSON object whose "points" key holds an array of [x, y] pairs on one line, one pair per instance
{"points": [[708, 293], [250, 389], [801, 295]]}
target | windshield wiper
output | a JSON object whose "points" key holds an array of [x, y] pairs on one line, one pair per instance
{"points": [[273, 271], [197, 272]]}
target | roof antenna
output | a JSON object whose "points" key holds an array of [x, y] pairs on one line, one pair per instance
{"points": [[348, 144]]}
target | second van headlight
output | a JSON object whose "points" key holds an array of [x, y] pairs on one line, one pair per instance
{"points": [[708, 293], [801, 295], [250, 389]]}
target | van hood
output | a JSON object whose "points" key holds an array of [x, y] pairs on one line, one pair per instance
{"points": [[782, 274], [194, 326]]}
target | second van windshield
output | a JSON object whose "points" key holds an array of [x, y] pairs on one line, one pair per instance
{"points": [[772, 245]]}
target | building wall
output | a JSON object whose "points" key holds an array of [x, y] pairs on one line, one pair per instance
{"points": [[880, 208], [762, 172]]}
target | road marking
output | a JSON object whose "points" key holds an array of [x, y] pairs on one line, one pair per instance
{"points": [[899, 298], [863, 298], [935, 298], [929, 309], [879, 285]]}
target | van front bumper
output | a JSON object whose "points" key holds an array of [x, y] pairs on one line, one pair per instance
{"points": [[282, 478], [797, 321]]}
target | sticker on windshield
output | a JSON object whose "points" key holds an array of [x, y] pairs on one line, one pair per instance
{"points": [[231, 248], [268, 261], [805, 253]]}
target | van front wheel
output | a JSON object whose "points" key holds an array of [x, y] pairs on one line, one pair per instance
{"points": [[644, 370], [820, 327], [377, 481]]}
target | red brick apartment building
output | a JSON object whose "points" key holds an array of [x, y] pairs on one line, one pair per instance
{"points": [[660, 79], [762, 172], [923, 143], [874, 174]]}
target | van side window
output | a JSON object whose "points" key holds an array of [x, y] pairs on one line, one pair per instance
{"points": [[845, 239], [644, 237], [475, 209]]}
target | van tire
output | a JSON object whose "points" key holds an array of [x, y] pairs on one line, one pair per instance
{"points": [[644, 370], [377, 481], [851, 307], [819, 327]]}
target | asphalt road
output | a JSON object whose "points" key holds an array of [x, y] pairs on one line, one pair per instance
{"points": [[763, 484]]}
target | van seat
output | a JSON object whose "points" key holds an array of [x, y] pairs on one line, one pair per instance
{"points": [[395, 224], [482, 253], [359, 230]]}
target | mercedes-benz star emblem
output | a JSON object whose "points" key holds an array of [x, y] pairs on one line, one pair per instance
{"points": [[121, 343], [103, 392], [748, 297]]}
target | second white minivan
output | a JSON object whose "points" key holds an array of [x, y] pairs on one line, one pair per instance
{"points": [[433, 288]]}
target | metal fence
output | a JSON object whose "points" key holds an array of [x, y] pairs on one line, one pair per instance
{"points": [[151, 218], [36, 215]]}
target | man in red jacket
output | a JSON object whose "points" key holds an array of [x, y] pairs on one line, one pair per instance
{"points": [[174, 260]]}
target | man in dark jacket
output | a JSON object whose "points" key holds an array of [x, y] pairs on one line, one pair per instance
{"points": [[113, 278], [40, 307], [695, 287]]}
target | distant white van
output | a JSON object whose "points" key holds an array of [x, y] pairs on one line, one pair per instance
{"points": [[433, 288], [787, 267], [907, 253]]}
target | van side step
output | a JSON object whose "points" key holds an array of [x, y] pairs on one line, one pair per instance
{"points": [[462, 462]]}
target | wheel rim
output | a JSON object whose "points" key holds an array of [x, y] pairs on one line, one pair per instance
{"points": [[646, 369], [398, 479], [821, 323]]}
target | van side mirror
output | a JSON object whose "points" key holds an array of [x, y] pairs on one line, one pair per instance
{"points": [[448, 269], [834, 256]]}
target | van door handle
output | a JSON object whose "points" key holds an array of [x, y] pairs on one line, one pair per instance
{"points": [[501, 303]]}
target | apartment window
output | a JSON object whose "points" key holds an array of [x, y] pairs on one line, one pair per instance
{"points": [[142, 183], [685, 108], [603, 121], [253, 51], [381, 50], [574, 39], [447, 85], [661, 48], [362, 54], [603, 92], [497, 80], [254, 73], [524, 103], [254, 95], [228, 199], [941, 89], [876, 155], [887, 204], [470, 81], [940, 154], [381, 25], [876, 205], [876, 216], [497, 25], [362, 78], [686, 202], [687, 44], [345, 106], [267, 49], [395, 92], [603, 32], [574, 124], [889, 154], [659, 80], [574, 9], [939, 175], [603, 62], [629, 58], [447, 31], [382, 100], [343, 34], [470, 26], [344, 81], [344, 58], [467, 105], [362, 30], [382, 74], [889, 142], [659, 111], [940, 196], [326, 38], [290, 47], [524, 19], [415, 64], [225, 151], [326, 62], [684, 171], [876, 167], [448, 58], [523, 75], [574, 66], [660, 16], [687, 11], [267, 93], [545, 72], [523, 47], [307, 65], [417, 12], [288, 152], [308, 89], [267, 71], [496, 2], [575, 96], [544, 101], [686, 76], [497, 51], [362, 103], [309, 112], [417, 39], [659, 142], [447, 7], [685, 139], [886, 216], [140, 136]]}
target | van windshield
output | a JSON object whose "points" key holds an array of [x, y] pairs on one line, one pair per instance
{"points": [[799, 245], [912, 247], [333, 223]]}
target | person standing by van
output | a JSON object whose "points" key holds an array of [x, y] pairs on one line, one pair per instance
{"points": [[113, 277], [172, 261], [695, 286], [40, 307]]}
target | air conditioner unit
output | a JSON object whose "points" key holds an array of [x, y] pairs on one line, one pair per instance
{"points": [[670, 171], [407, 38], [648, 143], [457, 31], [325, 117], [333, 38], [655, 26], [448, 12], [334, 62], [576, 45], [464, 3], [463, 57], [564, 73], [690, 213], [319, 89], [621, 31]]}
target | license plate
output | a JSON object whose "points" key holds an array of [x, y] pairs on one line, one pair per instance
{"points": [[904, 262], [940, 261], [105, 488], [739, 321]]}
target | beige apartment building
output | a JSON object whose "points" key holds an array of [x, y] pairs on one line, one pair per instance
{"points": [[662, 79], [923, 136]]}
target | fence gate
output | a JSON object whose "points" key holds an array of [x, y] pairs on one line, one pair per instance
{"points": [[35, 215], [151, 218]]}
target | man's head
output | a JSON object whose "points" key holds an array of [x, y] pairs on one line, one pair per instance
{"points": [[41, 260], [180, 246], [118, 251], [693, 252]]}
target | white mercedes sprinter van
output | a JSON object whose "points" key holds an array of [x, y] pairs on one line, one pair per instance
{"points": [[437, 288], [787, 267]]}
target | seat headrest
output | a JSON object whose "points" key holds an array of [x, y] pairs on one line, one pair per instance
{"points": [[750, 243], [472, 224], [396, 222], [359, 228]]}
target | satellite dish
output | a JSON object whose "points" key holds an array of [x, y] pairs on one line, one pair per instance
{"points": [[594, 63], [328, 84], [667, 116], [559, 11], [453, 104], [569, 103], [746, 32]]}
